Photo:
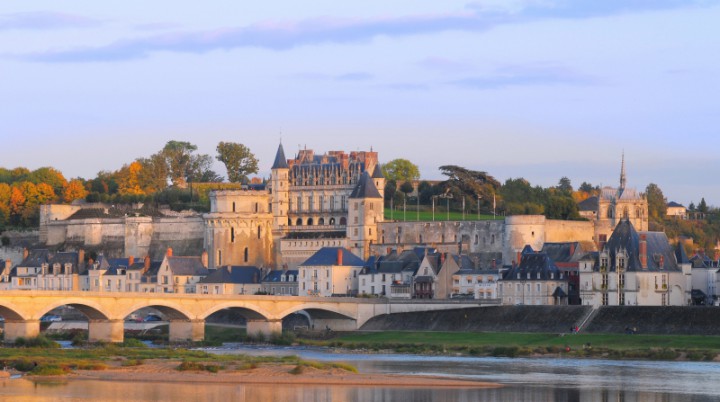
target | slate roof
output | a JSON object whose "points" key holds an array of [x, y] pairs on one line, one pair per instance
{"points": [[589, 204], [280, 160], [328, 256], [35, 258], [188, 266], [377, 172], [568, 252], [681, 255], [274, 276], [673, 204], [234, 274], [365, 188], [394, 263], [531, 264], [626, 237], [64, 257]]}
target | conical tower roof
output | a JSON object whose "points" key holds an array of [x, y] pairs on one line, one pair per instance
{"points": [[280, 160], [377, 172], [365, 188]]}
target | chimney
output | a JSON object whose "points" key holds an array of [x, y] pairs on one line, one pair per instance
{"points": [[662, 262], [25, 253], [81, 256], [572, 249], [519, 256], [643, 251], [146, 265], [717, 255], [8, 265], [131, 261], [339, 256], [442, 259], [387, 252], [494, 263], [204, 258], [169, 252]]}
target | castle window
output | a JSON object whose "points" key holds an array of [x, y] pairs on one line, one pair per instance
{"points": [[310, 222], [298, 222], [233, 206], [257, 207], [246, 256], [219, 258], [332, 203], [232, 235], [258, 232], [355, 206]]}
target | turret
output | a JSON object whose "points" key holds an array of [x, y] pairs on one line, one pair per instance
{"points": [[379, 180], [364, 212], [280, 189]]}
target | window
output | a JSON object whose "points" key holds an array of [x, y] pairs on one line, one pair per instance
{"points": [[232, 235], [246, 256], [219, 257], [233, 206], [258, 231], [355, 206]]}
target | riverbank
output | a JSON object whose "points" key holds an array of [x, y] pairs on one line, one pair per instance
{"points": [[606, 346], [286, 374], [138, 364]]}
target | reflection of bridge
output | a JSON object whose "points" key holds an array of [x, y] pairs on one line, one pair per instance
{"points": [[187, 313]]}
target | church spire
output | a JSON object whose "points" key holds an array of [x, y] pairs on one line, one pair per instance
{"points": [[280, 161], [623, 179]]}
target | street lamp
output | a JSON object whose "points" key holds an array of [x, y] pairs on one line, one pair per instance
{"points": [[433, 206], [447, 196]]}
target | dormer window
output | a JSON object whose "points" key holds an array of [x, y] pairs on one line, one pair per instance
{"points": [[552, 275]]}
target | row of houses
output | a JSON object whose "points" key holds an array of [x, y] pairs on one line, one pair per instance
{"points": [[631, 268]]}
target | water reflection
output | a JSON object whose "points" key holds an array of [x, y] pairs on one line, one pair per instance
{"points": [[71, 391]]}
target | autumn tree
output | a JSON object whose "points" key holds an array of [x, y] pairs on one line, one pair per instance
{"points": [[153, 176], [50, 176], [657, 204], [238, 161], [74, 190], [400, 170], [128, 179], [4, 204], [16, 205], [178, 156]]}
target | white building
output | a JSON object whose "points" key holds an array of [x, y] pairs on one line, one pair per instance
{"points": [[330, 271]]}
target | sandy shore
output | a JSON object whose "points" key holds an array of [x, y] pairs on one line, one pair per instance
{"points": [[165, 371]]}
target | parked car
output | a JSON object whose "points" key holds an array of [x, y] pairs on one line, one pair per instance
{"points": [[152, 317], [50, 318], [133, 318]]}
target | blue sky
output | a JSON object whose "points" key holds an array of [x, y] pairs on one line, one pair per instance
{"points": [[523, 88]]}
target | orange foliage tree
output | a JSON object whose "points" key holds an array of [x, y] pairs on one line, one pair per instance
{"points": [[74, 190]]}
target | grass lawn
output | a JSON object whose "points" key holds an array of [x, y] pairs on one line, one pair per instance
{"points": [[440, 215]]}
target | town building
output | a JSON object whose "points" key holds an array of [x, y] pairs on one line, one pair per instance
{"points": [[475, 280], [536, 280], [281, 283], [331, 271], [676, 210], [181, 274], [566, 256], [635, 269], [231, 280]]}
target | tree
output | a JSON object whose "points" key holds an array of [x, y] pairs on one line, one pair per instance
{"points": [[153, 176], [565, 185], [588, 188], [74, 190], [4, 204], [390, 189], [49, 176], [178, 156], [657, 204], [238, 161], [16, 205], [199, 170], [702, 206], [400, 170], [128, 179]]}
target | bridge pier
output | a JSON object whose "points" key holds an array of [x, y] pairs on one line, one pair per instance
{"points": [[187, 330], [21, 329], [106, 331], [265, 327]]}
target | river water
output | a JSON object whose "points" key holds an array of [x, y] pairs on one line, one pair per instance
{"points": [[546, 379]]}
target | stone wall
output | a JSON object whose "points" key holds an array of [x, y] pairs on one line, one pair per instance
{"points": [[547, 319], [447, 236], [689, 320]]}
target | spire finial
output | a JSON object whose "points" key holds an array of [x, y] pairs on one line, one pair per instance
{"points": [[623, 178]]}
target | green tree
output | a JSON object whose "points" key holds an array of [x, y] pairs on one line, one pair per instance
{"points": [[50, 176], [702, 206], [178, 157], [400, 170], [565, 185], [199, 170], [390, 190], [153, 176], [657, 204], [238, 161], [588, 188]]}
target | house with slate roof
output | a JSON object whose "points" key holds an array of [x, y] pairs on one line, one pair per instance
{"points": [[536, 280], [392, 275], [705, 279], [677, 210], [180, 274], [281, 283], [567, 256], [475, 280], [635, 269], [42, 269], [231, 280], [331, 271]]}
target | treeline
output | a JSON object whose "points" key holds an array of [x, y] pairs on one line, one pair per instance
{"points": [[163, 177]]}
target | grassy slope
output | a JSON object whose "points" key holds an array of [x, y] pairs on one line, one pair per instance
{"points": [[440, 215]]}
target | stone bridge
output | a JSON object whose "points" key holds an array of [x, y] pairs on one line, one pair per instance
{"points": [[186, 313]]}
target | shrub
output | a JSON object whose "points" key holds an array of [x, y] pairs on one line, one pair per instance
{"points": [[190, 366], [299, 369], [133, 343], [23, 365], [132, 362], [39, 341], [505, 351], [50, 369]]}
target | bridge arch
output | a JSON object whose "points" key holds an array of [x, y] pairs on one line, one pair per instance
{"points": [[89, 308], [170, 310], [8, 311], [249, 310], [317, 310]]}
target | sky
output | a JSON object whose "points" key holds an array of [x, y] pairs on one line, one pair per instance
{"points": [[538, 89]]}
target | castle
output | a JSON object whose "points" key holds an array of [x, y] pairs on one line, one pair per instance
{"points": [[330, 200]]}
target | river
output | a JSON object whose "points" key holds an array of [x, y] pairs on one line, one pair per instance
{"points": [[545, 379]]}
